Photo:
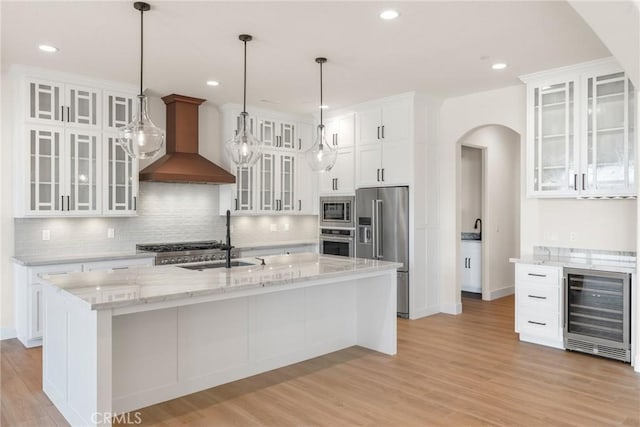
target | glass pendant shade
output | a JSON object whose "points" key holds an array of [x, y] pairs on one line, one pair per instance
{"points": [[244, 148], [321, 156], [141, 139]]}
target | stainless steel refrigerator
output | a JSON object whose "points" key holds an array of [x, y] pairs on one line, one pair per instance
{"points": [[382, 221]]}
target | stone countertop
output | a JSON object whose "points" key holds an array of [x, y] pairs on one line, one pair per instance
{"points": [[587, 263], [143, 285], [39, 260]]}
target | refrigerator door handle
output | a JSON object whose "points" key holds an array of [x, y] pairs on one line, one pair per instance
{"points": [[374, 229], [378, 225]]}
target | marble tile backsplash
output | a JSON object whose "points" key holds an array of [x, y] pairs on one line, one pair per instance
{"points": [[166, 213], [554, 253]]}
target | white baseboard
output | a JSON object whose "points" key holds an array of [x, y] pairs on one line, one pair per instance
{"points": [[7, 333], [499, 293], [451, 308], [636, 365], [424, 312]]}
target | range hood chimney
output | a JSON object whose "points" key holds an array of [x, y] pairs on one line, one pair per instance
{"points": [[182, 163]]}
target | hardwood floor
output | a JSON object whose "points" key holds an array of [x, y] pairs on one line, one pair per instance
{"points": [[462, 370]]}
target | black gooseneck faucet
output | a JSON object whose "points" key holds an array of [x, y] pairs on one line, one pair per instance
{"points": [[475, 226], [227, 247]]}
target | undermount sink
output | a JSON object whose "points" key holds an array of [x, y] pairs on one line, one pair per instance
{"points": [[207, 266], [469, 236]]}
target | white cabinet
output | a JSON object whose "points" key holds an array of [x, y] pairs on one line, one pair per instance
{"points": [[581, 132], [383, 144], [67, 144], [471, 266], [340, 133], [28, 291], [539, 304], [280, 182]]}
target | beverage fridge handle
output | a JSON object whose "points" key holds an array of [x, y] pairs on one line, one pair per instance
{"points": [[378, 226]]}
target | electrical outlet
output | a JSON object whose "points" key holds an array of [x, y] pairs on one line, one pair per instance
{"points": [[286, 226], [46, 235], [573, 236], [111, 233], [273, 227]]}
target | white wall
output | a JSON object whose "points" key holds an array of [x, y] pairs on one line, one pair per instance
{"points": [[507, 107], [617, 24], [501, 210], [470, 187]]}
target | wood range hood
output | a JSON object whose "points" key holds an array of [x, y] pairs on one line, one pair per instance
{"points": [[182, 163]]}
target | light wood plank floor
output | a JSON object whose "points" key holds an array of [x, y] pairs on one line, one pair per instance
{"points": [[450, 370]]}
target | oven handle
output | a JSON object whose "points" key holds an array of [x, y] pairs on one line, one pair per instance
{"points": [[337, 239]]}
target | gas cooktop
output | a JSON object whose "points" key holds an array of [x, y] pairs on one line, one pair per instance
{"points": [[183, 252]]}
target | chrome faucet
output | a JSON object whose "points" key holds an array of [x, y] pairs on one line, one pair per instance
{"points": [[475, 226], [261, 260]]}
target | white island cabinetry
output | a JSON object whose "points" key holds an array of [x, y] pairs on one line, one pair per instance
{"points": [[176, 331]]}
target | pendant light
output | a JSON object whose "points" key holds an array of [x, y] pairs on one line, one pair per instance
{"points": [[141, 139], [244, 149], [321, 156]]}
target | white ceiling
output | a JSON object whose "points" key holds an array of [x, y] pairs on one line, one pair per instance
{"points": [[433, 46]]}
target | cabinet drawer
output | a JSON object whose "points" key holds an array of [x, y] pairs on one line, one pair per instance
{"points": [[540, 324], [52, 270], [538, 274], [121, 264], [537, 297]]}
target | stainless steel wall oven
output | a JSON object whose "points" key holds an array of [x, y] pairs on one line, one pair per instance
{"points": [[598, 313], [337, 242]]}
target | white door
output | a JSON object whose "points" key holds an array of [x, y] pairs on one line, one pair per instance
{"points": [[345, 135], [610, 162], [369, 165], [396, 121], [268, 133], [304, 135], [369, 126], [36, 311], [45, 101], [45, 170], [287, 136], [245, 189], [343, 171], [327, 179], [82, 159], [306, 187], [83, 106], [118, 110], [396, 163], [120, 179], [331, 130]]}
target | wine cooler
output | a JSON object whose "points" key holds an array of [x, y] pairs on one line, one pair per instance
{"points": [[597, 313]]}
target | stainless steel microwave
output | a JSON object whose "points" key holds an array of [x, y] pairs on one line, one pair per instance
{"points": [[337, 211]]}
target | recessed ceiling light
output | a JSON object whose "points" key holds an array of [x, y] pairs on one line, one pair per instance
{"points": [[47, 48], [499, 66], [324, 107], [389, 14], [213, 83]]}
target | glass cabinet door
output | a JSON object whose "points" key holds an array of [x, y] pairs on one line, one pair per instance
{"points": [[245, 188], [267, 197], [610, 115], [555, 168], [118, 110], [44, 101], [83, 106], [121, 175], [83, 171], [287, 199], [268, 133], [45, 170], [288, 136]]}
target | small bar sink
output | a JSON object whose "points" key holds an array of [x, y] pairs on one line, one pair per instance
{"points": [[469, 236]]}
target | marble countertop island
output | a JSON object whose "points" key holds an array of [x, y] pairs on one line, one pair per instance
{"points": [[144, 285]]}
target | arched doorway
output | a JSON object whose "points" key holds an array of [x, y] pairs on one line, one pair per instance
{"points": [[489, 162]]}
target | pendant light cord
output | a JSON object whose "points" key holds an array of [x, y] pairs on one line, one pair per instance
{"points": [[321, 104], [244, 100], [141, 47]]}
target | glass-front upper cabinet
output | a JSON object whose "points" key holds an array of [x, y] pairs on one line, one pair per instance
{"points": [[287, 198], [121, 173], [610, 131], [554, 133], [45, 170], [45, 101], [83, 106], [118, 110], [581, 131], [267, 195], [83, 160]]}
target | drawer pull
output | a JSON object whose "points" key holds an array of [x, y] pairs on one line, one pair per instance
{"points": [[119, 268], [537, 275], [536, 323], [536, 296]]}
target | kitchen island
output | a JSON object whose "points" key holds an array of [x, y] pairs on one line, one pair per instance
{"points": [[122, 340]]}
